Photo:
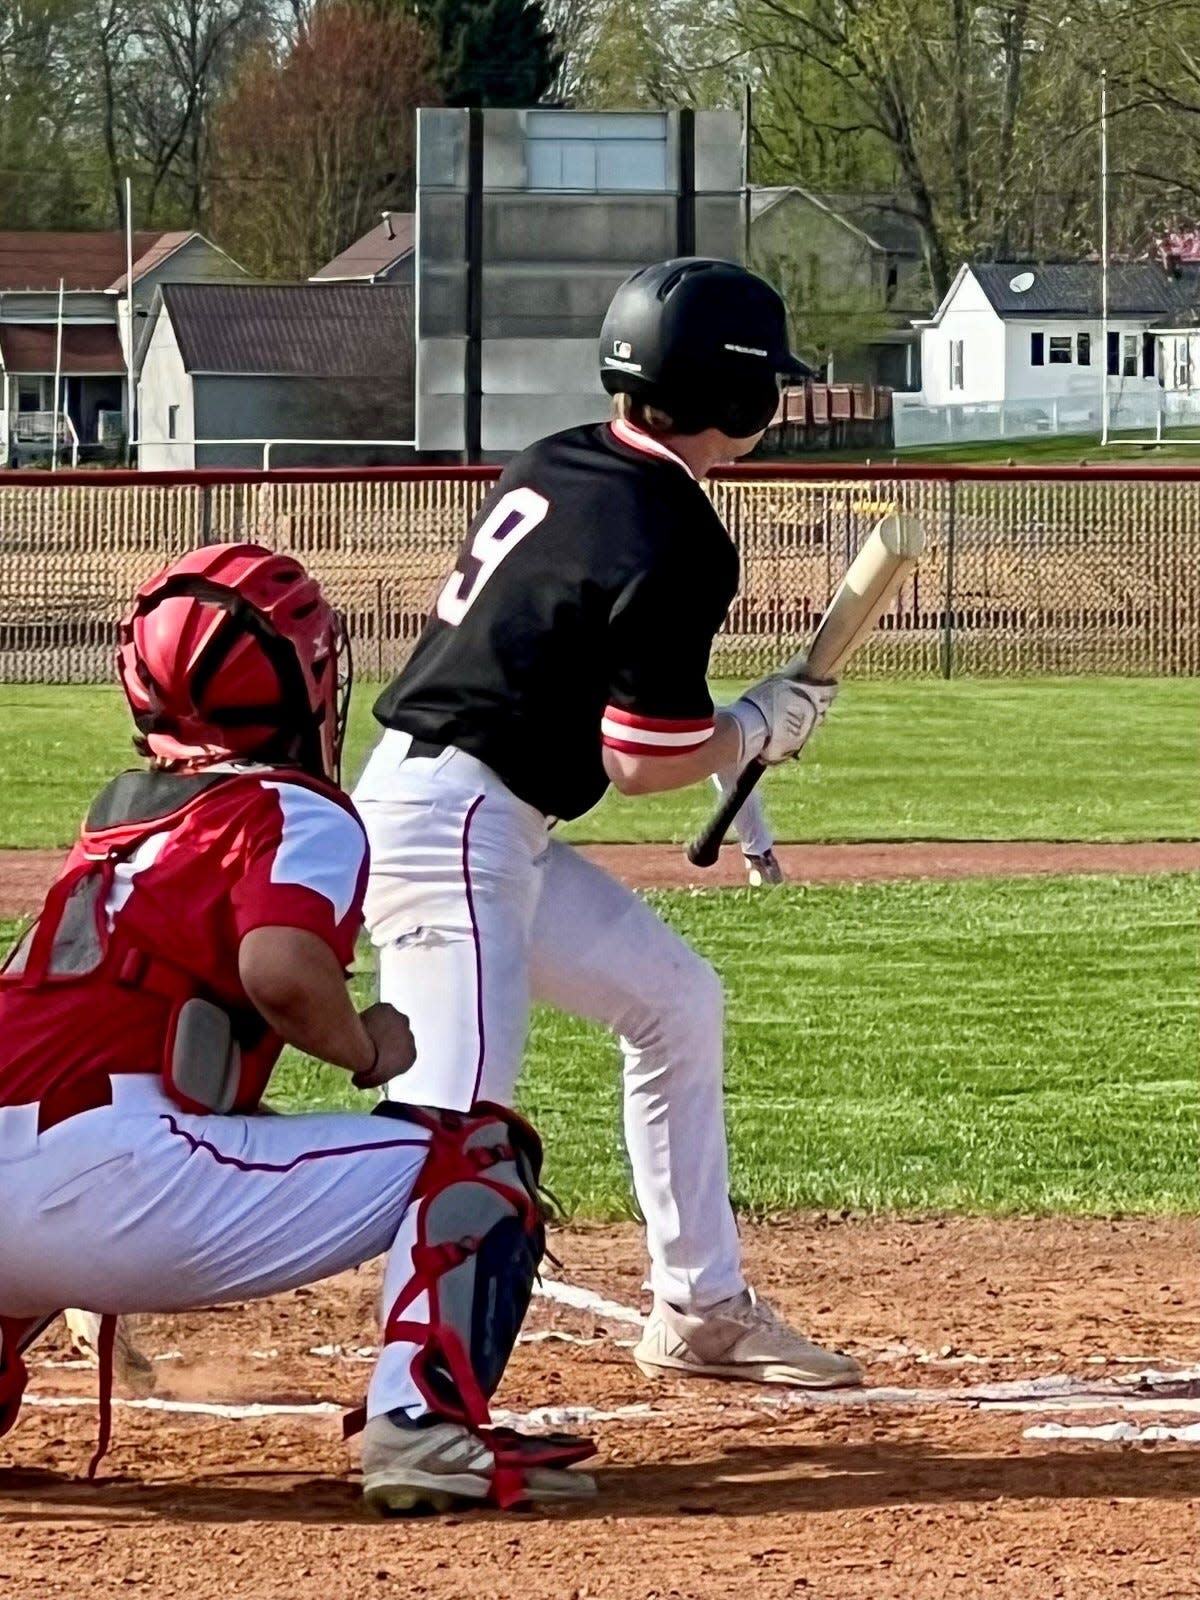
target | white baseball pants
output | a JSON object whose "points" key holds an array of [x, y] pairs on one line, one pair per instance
{"points": [[139, 1207], [476, 912]]}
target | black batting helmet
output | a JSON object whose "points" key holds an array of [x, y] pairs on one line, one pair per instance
{"points": [[705, 341]]}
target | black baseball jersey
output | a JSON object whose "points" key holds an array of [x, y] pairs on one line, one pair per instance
{"points": [[581, 613]]}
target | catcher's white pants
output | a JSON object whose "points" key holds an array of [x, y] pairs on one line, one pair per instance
{"points": [[476, 911], [139, 1207]]}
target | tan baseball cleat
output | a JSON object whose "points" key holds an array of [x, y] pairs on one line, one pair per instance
{"points": [[742, 1338], [427, 1465]]}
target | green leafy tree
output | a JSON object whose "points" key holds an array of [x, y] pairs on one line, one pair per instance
{"points": [[980, 111]]}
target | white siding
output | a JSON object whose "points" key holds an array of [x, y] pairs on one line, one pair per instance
{"points": [[165, 383], [1027, 382], [968, 317]]}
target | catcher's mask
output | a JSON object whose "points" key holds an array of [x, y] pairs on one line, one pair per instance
{"points": [[233, 651]]}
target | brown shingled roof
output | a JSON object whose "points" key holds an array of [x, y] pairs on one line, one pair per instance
{"points": [[86, 347], [321, 330], [375, 252], [83, 261]]}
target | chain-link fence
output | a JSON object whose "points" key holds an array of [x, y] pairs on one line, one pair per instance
{"points": [[1064, 571]]}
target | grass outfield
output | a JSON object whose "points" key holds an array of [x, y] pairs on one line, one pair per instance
{"points": [[1074, 449], [1021, 1045], [1025, 1045], [1053, 758]]}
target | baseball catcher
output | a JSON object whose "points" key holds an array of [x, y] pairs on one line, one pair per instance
{"points": [[205, 917], [568, 651]]}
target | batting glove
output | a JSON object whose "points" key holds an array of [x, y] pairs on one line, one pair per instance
{"points": [[789, 711]]}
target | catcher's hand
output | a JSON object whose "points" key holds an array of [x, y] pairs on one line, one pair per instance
{"points": [[395, 1048]]}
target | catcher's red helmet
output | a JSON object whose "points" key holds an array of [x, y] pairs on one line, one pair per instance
{"points": [[234, 651]]}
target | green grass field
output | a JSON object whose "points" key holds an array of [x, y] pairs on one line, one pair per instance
{"points": [[1028, 1045], [1065, 758], [1019, 1045]]}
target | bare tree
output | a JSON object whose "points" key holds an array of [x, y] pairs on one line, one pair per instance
{"points": [[333, 115], [180, 55]]}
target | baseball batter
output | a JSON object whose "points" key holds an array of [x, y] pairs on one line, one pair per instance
{"points": [[206, 917], [568, 650]]}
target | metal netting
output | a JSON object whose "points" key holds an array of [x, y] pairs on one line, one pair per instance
{"points": [[1023, 574]]}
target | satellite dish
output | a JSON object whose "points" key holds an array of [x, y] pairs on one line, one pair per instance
{"points": [[1022, 283]]}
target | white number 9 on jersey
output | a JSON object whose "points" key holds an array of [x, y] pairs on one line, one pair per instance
{"points": [[517, 514]]}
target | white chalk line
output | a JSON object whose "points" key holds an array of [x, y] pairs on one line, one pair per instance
{"points": [[1117, 1433], [541, 1417], [1061, 1392], [579, 1299]]}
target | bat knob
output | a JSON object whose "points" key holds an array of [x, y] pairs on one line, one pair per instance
{"points": [[704, 852]]}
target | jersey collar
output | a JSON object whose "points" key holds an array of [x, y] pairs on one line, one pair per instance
{"points": [[635, 439]]}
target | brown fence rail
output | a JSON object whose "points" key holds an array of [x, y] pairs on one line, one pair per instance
{"points": [[1060, 571]]}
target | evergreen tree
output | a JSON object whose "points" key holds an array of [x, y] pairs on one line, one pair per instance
{"points": [[492, 52]]}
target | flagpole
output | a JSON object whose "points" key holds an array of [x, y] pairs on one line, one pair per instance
{"points": [[1104, 259]]}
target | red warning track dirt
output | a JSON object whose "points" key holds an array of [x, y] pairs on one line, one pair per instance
{"points": [[710, 1496], [26, 874]]}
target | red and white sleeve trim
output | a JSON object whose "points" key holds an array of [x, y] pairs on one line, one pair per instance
{"points": [[653, 736]]}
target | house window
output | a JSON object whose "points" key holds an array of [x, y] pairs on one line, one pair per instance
{"points": [[172, 422], [1149, 356], [1060, 350], [29, 394], [1183, 364], [956, 363], [1129, 355], [1114, 355], [893, 282], [1083, 349], [1037, 349]]}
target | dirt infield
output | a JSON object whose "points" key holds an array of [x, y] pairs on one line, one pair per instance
{"points": [[26, 874], [715, 1491]]}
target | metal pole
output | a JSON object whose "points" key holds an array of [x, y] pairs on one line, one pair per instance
{"points": [[473, 376], [747, 110], [130, 377], [948, 593], [1104, 258], [57, 380]]}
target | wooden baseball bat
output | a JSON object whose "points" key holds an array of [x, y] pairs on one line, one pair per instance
{"points": [[872, 582]]}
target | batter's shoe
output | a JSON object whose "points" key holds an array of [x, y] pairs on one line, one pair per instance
{"points": [[763, 869], [131, 1368], [739, 1338], [413, 1466]]}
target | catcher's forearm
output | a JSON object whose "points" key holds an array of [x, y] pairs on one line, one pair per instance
{"points": [[295, 983]]}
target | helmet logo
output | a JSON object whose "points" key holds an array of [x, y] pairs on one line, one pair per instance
{"points": [[746, 350], [622, 349]]}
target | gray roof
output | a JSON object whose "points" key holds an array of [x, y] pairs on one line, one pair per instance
{"points": [[888, 226], [1073, 289], [316, 330], [376, 253]]}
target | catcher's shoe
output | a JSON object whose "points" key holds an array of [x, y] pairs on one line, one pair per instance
{"points": [[130, 1367], [739, 1338], [428, 1464], [763, 869]]}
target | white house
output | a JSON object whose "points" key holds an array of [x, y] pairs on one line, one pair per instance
{"points": [[1021, 345], [91, 410]]}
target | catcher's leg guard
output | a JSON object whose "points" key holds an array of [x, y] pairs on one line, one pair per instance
{"points": [[16, 1335], [479, 1240]]}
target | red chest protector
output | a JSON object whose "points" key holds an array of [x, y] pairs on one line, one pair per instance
{"points": [[215, 1058]]}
